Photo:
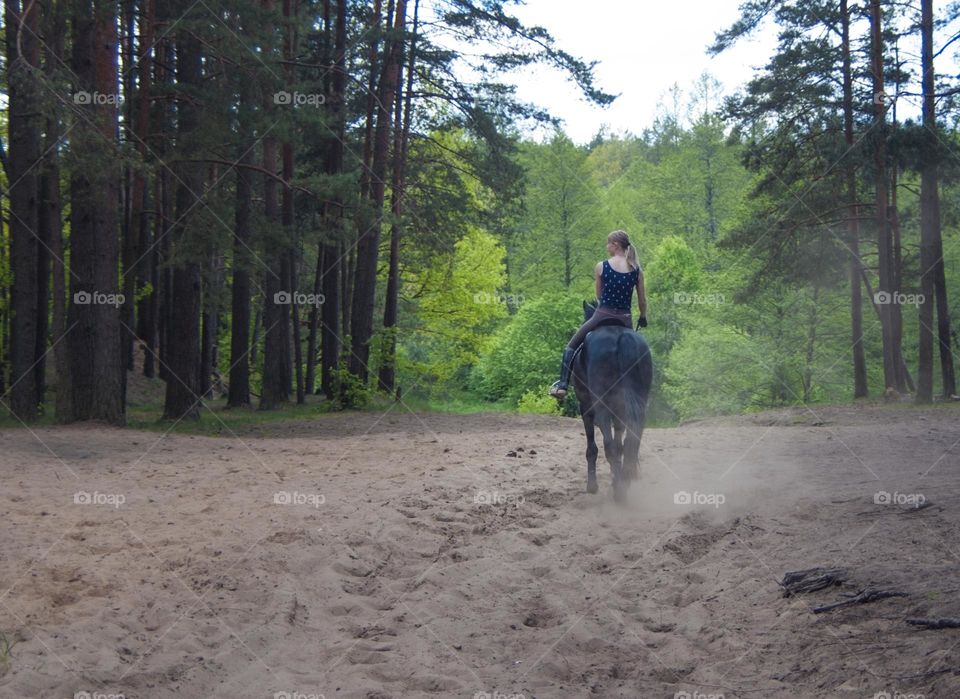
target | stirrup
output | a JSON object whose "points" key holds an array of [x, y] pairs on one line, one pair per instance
{"points": [[557, 391]]}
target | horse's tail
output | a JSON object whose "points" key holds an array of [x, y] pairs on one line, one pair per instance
{"points": [[636, 375]]}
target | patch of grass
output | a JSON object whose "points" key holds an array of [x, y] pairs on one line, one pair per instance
{"points": [[46, 419], [6, 652], [216, 418], [460, 404]]}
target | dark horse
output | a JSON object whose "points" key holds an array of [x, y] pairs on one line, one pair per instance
{"points": [[612, 375]]}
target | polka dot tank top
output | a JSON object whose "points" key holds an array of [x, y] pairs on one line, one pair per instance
{"points": [[617, 287]]}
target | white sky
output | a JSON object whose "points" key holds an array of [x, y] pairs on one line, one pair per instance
{"points": [[643, 48]]}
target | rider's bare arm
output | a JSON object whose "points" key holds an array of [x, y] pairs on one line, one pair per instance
{"points": [[598, 279], [641, 295]]}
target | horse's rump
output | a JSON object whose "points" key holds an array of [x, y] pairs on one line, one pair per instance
{"points": [[617, 368]]}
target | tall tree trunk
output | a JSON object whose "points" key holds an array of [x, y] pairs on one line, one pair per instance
{"points": [[51, 214], [904, 380], [239, 391], [333, 267], [932, 277], [183, 384], [23, 59], [366, 172], [947, 375], [368, 245], [929, 214], [860, 388], [276, 349], [140, 206], [314, 321], [165, 50], [388, 367], [884, 247], [47, 227], [129, 208], [95, 336], [287, 206], [374, 64]]}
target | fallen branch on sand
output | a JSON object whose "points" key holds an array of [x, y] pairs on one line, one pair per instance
{"points": [[897, 510], [868, 595], [942, 623], [811, 580]]}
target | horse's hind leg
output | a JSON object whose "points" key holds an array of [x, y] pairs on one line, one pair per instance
{"points": [[628, 446], [612, 450], [631, 453], [591, 452]]}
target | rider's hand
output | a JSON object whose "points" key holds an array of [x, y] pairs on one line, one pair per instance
{"points": [[641, 322]]}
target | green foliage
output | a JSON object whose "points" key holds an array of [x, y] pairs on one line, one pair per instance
{"points": [[525, 354], [561, 236], [538, 401], [711, 372], [673, 270], [350, 391], [459, 303]]}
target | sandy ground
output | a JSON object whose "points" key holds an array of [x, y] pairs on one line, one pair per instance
{"points": [[406, 555]]}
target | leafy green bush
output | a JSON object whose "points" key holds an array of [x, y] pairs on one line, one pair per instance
{"points": [[457, 307], [351, 392], [538, 401], [712, 370], [525, 353]]}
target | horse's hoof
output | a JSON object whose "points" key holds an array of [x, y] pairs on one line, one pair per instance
{"points": [[592, 487]]}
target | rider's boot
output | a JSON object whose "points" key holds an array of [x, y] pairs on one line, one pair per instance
{"points": [[559, 388]]}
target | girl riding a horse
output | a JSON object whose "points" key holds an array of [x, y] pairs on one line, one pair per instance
{"points": [[615, 278]]}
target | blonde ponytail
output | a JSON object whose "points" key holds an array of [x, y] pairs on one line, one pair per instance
{"points": [[621, 238]]}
